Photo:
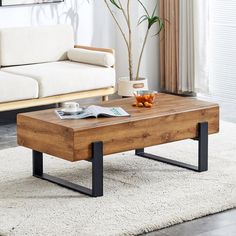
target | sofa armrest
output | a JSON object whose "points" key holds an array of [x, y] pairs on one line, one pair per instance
{"points": [[86, 54], [109, 50]]}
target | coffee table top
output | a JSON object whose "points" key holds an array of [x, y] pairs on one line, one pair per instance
{"points": [[165, 105], [172, 118]]}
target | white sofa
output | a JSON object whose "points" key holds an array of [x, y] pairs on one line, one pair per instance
{"points": [[42, 65]]}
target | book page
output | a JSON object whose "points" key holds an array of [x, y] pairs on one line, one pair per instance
{"points": [[107, 111], [94, 111]]}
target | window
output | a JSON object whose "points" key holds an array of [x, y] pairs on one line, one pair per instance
{"points": [[223, 50]]}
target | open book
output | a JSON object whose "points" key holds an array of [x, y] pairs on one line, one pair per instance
{"points": [[94, 111]]}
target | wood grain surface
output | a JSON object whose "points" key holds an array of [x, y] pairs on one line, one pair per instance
{"points": [[109, 50], [172, 118], [8, 106]]}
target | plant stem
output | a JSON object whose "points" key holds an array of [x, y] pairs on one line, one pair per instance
{"points": [[141, 54], [117, 23], [130, 56], [123, 11]]}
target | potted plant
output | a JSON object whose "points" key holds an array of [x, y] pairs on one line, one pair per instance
{"points": [[128, 85]]}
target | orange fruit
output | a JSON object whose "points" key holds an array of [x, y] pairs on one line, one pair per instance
{"points": [[140, 104], [147, 104]]}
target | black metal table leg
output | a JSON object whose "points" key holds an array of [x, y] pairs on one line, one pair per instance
{"points": [[203, 147], [97, 169], [202, 152], [97, 172], [37, 163]]}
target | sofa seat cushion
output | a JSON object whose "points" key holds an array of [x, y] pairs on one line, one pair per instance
{"points": [[63, 77], [16, 87]]}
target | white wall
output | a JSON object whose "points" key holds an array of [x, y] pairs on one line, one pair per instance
{"points": [[92, 25], [78, 13], [150, 61]]}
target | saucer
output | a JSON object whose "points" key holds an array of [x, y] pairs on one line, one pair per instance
{"points": [[71, 112]]}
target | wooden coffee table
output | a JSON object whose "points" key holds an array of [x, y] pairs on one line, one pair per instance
{"points": [[172, 118]]}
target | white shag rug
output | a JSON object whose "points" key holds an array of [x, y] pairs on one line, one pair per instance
{"points": [[140, 195]]}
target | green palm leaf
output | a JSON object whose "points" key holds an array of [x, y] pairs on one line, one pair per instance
{"points": [[116, 4], [151, 19], [142, 19]]}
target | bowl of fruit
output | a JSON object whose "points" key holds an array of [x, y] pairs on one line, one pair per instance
{"points": [[145, 98]]}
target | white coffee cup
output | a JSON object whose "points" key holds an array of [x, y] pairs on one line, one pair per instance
{"points": [[71, 106]]}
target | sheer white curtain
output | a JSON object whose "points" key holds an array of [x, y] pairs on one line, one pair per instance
{"points": [[194, 46]]}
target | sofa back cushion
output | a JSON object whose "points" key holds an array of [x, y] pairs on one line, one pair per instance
{"points": [[29, 45]]}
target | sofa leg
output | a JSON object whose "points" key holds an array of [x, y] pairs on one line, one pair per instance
{"points": [[57, 105], [105, 98]]}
